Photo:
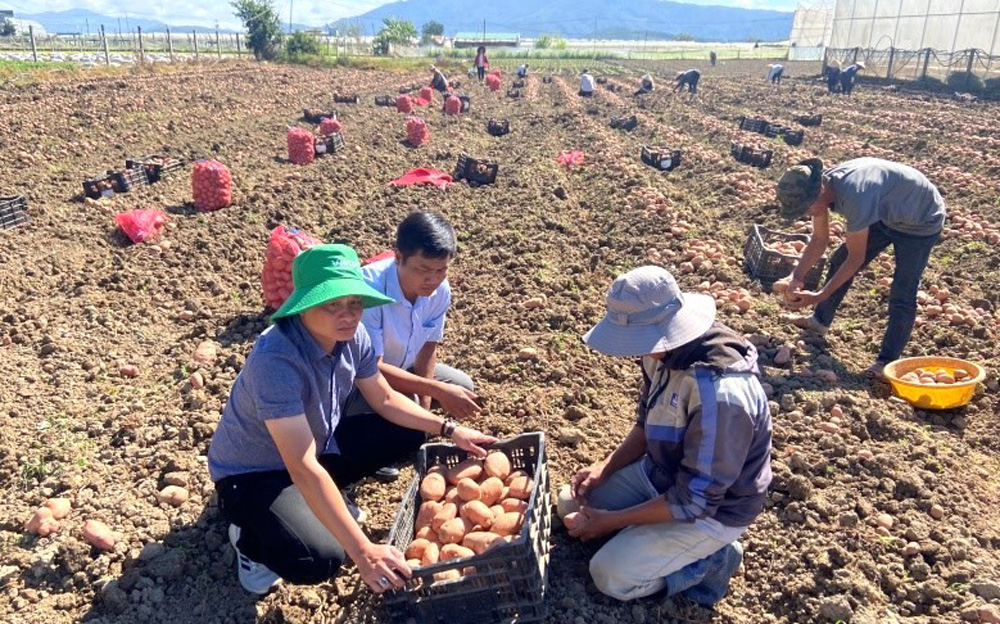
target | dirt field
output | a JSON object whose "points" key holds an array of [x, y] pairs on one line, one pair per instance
{"points": [[882, 514]]}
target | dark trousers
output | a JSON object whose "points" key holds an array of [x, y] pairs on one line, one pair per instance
{"points": [[482, 72], [586, 93], [911, 254], [832, 79], [279, 530], [776, 78], [846, 84]]}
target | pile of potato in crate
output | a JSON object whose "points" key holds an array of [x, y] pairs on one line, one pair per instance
{"points": [[476, 534]]}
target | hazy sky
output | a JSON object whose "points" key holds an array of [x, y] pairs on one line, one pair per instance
{"points": [[314, 12]]}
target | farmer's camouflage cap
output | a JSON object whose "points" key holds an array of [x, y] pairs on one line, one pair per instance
{"points": [[799, 187]]}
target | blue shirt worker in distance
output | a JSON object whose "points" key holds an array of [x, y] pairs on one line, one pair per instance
{"points": [[278, 457], [692, 474], [407, 332], [884, 203], [848, 75], [690, 80]]}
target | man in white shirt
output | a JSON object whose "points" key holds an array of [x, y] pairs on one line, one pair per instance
{"points": [[586, 84], [406, 333]]}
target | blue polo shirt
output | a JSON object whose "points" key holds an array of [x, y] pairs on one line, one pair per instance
{"points": [[287, 374]]}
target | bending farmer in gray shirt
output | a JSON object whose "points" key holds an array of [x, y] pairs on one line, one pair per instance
{"points": [[884, 203]]}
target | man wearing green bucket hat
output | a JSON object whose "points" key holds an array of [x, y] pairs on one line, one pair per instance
{"points": [[276, 457], [883, 203]]}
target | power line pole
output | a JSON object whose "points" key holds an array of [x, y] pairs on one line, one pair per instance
{"points": [[484, 30], [291, 4]]}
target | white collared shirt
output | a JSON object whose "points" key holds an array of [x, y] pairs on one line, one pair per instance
{"points": [[586, 83], [400, 330]]}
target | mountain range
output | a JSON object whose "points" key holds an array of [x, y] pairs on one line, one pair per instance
{"points": [[82, 20], [583, 19]]}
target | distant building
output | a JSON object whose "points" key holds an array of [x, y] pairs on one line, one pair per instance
{"points": [[475, 39], [21, 26]]}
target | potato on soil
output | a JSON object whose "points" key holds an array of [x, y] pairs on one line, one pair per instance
{"points": [[477, 512], [448, 511], [416, 548], [431, 554], [42, 523], [469, 490], [426, 513], [60, 507], [490, 490], [497, 465], [508, 524], [467, 469], [99, 535], [432, 488]]}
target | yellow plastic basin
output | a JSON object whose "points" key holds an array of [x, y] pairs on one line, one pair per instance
{"points": [[945, 396]]}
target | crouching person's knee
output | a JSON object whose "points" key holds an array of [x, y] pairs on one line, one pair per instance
{"points": [[322, 563], [610, 572]]}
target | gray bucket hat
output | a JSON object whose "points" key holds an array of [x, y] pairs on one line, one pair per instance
{"points": [[648, 313], [799, 188]]}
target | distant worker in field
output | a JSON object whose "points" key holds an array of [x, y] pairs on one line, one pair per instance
{"points": [[438, 80], [522, 71], [481, 62], [884, 203], [776, 72], [691, 475], [712, 58], [833, 78], [645, 85], [847, 77], [689, 79], [586, 84]]}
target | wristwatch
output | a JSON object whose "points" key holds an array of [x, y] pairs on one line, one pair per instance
{"points": [[448, 427]]}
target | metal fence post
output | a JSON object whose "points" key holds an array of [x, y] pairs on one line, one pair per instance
{"points": [[195, 34], [239, 51], [218, 46], [826, 60], [31, 35], [170, 45], [142, 51], [968, 68], [927, 60], [104, 41], [892, 56]]}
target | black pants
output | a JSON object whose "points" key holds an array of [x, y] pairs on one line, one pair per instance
{"points": [[279, 530], [846, 84], [832, 79], [482, 72], [586, 93]]}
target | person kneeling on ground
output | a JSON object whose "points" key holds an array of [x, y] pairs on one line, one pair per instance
{"points": [[690, 79], [276, 457], [407, 332], [586, 84], [522, 71], [692, 475], [438, 80], [885, 203], [645, 85]]}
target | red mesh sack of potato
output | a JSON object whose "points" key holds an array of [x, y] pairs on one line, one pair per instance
{"points": [[427, 94], [493, 82], [417, 132], [301, 146], [141, 225], [211, 185], [276, 277], [453, 105], [404, 104], [329, 125]]}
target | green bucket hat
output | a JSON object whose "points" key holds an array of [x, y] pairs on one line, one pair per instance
{"points": [[326, 272], [799, 187]]}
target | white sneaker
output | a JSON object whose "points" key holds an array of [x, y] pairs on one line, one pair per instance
{"points": [[255, 577]]}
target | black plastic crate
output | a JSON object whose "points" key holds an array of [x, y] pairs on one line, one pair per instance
{"points": [[13, 212], [509, 582], [315, 115], [663, 158], [466, 103], [752, 124], [113, 181], [385, 100], [773, 130], [601, 80], [475, 171], [518, 84], [768, 265], [627, 124], [809, 120], [329, 144], [546, 79], [751, 156], [341, 98], [156, 165], [514, 93], [794, 137], [612, 87], [403, 90], [498, 127]]}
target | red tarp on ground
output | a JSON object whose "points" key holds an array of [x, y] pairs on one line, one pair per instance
{"points": [[423, 175]]}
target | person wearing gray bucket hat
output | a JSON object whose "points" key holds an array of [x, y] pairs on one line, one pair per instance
{"points": [[692, 474], [883, 203]]}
